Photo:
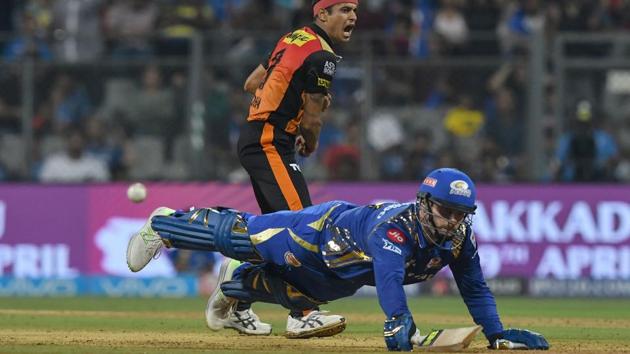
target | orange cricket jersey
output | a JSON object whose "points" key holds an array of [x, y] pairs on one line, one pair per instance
{"points": [[302, 62]]}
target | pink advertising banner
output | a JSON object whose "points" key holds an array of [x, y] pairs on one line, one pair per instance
{"points": [[555, 232]]}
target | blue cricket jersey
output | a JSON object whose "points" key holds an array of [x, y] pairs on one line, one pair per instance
{"points": [[332, 249]]}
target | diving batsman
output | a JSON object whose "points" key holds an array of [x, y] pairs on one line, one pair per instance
{"points": [[302, 259]]}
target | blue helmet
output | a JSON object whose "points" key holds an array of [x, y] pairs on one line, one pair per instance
{"points": [[451, 188]]}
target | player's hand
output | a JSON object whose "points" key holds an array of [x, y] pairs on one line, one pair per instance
{"points": [[520, 339], [300, 146], [327, 102], [398, 332]]}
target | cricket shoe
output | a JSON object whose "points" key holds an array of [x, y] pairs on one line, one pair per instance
{"points": [[315, 324], [221, 310], [145, 244]]}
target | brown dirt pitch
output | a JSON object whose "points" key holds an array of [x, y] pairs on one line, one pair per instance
{"points": [[114, 325]]}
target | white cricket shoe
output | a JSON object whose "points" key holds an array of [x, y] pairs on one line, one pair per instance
{"points": [[248, 322], [315, 324], [221, 313], [145, 244]]}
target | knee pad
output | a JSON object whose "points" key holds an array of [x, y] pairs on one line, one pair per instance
{"points": [[207, 229], [260, 283]]}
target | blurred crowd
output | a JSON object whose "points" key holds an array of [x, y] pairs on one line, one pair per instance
{"points": [[112, 97]]}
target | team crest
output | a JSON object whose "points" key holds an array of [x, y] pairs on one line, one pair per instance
{"points": [[396, 236], [291, 260], [329, 68], [460, 187]]}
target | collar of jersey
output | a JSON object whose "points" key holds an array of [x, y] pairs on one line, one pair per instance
{"points": [[320, 32]]}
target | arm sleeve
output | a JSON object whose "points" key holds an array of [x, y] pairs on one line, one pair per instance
{"points": [[320, 69], [474, 290], [388, 260]]}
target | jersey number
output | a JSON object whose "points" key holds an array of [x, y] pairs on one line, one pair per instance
{"points": [[274, 61]]}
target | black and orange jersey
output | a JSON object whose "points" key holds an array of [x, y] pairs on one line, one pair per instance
{"points": [[302, 62]]}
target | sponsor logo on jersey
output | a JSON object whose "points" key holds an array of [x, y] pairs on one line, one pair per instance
{"points": [[391, 247], [323, 82], [396, 236], [291, 260], [429, 181], [299, 38], [460, 187], [329, 68]]}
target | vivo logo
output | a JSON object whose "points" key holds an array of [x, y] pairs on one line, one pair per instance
{"points": [[173, 287], [38, 287], [537, 221], [3, 217]]}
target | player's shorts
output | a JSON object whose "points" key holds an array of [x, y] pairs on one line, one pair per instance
{"points": [[268, 155]]}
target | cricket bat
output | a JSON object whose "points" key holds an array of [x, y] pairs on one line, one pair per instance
{"points": [[446, 340]]}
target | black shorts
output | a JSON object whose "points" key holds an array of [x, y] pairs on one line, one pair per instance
{"points": [[268, 155]]}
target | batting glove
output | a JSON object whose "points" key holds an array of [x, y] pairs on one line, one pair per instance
{"points": [[398, 332], [519, 339]]}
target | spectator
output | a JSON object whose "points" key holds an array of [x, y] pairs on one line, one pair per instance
{"points": [[195, 262], [343, 158], [130, 24], [77, 30], [399, 37], [178, 21], [464, 120], [464, 124], [99, 145], [153, 108], [217, 112], [421, 158], [451, 28], [73, 165], [506, 123], [520, 20], [392, 166], [27, 44], [41, 11], [69, 101], [585, 153]]}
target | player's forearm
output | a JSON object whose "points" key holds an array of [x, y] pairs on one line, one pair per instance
{"points": [[310, 133], [311, 124], [254, 79]]}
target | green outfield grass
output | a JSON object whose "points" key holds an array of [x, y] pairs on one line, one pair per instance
{"points": [[177, 325]]}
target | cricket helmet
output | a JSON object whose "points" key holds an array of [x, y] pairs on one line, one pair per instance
{"points": [[454, 193]]}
